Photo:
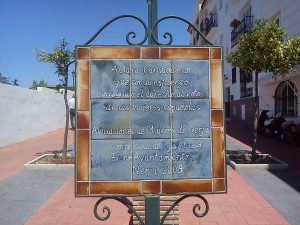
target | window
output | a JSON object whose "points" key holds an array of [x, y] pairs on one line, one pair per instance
{"points": [[286, 99], [233, 75], [245, 77]]}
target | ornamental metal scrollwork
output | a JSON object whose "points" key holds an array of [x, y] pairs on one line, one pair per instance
{"points": [[129, 205], [196, 206], [148, 33], [106, 209], [167, 34], [131, 34]]}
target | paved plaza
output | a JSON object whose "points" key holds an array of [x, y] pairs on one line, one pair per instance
{"points": [[46, 197]]}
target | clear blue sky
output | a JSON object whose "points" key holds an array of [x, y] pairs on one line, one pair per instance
{"points": [[29, 24]]}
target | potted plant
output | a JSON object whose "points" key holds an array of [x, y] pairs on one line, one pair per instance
{"points": [[235, 23]]}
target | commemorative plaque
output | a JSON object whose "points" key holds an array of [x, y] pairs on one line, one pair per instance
{"points": [[149, 121]]}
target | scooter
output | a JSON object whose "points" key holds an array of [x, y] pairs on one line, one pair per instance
{"points": [[270, 126], [276, 123], [290, 133]]}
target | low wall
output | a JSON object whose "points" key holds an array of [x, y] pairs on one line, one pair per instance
{"points": [[26, 113]]}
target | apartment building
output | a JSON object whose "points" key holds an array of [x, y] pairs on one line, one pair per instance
{"points": [[222, 22]]}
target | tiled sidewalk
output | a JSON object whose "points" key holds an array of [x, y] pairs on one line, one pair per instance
{"points": [[64, 209], [242, 205], [13, 157]]}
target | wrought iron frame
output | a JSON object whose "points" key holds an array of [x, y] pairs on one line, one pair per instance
{"points": [[150, 30], [151, 33], [129, 205]]}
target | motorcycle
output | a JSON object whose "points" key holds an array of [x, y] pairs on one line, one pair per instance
{"points": [[270, 125], [290, 133], [278, 127]]}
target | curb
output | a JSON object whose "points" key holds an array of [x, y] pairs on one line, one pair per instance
{"points": [[280, 165], [33, 166]]}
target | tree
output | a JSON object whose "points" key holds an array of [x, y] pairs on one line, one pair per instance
{"points": [[61, 58], [36, 84], [8, 80], [265, 48]]}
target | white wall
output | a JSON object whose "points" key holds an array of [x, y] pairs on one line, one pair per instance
{"points": [[286, 11], [26, 113]]}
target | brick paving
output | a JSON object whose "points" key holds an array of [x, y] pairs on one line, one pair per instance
{"points": [[270, 145], [243, 204], [13, 157]]}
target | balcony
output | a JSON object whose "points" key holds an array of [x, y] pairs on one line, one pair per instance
{"points": [[245, 25], [212, 22], [207, 24], [203, 27]]}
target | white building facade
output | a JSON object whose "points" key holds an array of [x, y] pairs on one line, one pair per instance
{"points": [[222, 21]]}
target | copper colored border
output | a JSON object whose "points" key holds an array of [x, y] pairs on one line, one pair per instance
{"points": [[184, 53], [218, 152], [118, 52], [83, 145], [216, 80], [84, 187], [83, 85], [83, 53], [186, 186], [83, 119], [132, 187], [151, 187]]}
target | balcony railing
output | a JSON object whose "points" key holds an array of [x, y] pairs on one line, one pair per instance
{"points": [[212, 22], [245, 25], [205, 26]]}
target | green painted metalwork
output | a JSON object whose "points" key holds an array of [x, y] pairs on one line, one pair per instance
{"points": [[152, 18], [131, 33], [106, 209], [151, 31], [196, 206], [167, 34], [152, 209]]}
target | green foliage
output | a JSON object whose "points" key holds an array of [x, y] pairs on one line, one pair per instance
{"points": [[8, 80], [35, 84], [265, 49], [61, 58]]}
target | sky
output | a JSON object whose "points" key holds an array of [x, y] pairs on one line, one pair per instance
{"points": [[26, 25]]}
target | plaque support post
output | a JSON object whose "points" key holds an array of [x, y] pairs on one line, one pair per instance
{"points": [[152, 18], [152, 209]]}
